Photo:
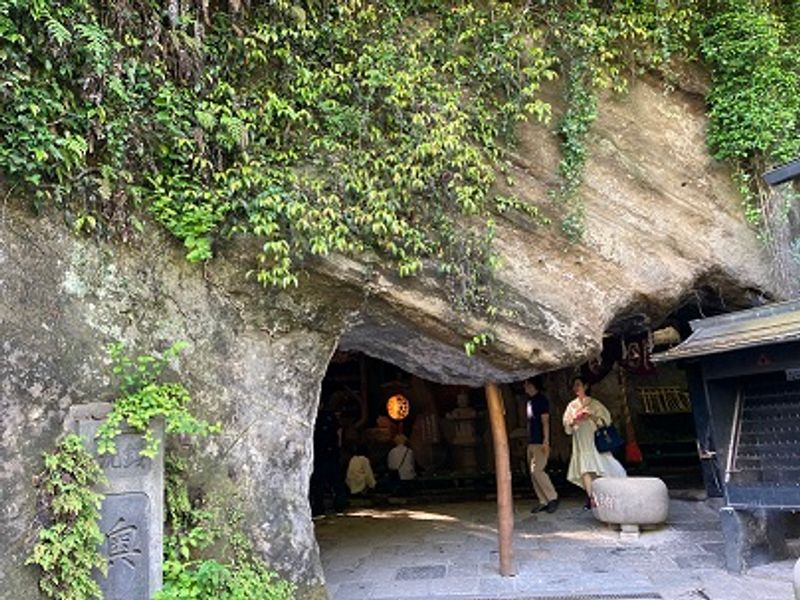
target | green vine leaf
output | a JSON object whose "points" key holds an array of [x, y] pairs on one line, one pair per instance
{"points": [[144, 398], [66, 550], [346, 128]]}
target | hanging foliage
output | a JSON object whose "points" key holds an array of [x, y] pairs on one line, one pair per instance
{"points": [[353, 127], [315, 127]]}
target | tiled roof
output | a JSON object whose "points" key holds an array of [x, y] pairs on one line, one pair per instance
{"points": [[771, 324]]}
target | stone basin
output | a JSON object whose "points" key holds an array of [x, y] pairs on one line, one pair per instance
{"points": [[630, 502]]}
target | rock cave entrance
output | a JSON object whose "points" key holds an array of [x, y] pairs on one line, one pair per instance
{"points": [[447, 424], [385, 381]]}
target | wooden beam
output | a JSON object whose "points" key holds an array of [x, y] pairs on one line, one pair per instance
{"points": [[502, 467]]}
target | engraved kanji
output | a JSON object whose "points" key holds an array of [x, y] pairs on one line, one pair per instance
{"points": [[123, 543]]}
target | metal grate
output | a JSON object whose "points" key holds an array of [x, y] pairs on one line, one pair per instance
{"points": [[768, 436], [764, 454]]}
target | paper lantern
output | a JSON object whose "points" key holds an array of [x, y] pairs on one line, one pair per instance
{"points": [[398, 406]]}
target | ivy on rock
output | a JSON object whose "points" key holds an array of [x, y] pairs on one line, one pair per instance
{"points": [[601, 46], [315, 127], [144, 397], [353, 127], [67, 550], [754, 103]]}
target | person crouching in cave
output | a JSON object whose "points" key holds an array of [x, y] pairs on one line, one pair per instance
{"points": [[581, 419], [360, 478]]}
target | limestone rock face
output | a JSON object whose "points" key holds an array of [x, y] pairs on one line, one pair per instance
{"points": [[254, 363], [662, 220]]}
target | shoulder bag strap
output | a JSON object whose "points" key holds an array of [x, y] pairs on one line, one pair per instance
{"points": [[403, 460]]}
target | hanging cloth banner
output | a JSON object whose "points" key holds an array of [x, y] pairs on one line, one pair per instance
{"points": [[633, 454], [636, 352]]}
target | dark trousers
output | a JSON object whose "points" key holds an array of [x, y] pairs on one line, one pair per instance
{"points": [[327, 478]]}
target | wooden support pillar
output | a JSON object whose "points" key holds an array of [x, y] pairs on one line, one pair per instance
{"points": [[502, 467]]}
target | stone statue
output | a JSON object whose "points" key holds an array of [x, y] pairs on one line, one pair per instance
{"points": [[464, 417], [465, 440]]}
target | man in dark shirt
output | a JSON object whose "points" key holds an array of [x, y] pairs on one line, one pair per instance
{"points": [[538, 411], [327, 475]]}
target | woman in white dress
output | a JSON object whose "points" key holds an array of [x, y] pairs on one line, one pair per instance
{"points": [[581, 419]]}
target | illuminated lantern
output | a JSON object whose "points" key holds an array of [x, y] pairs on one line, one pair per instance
{"points": [[397, 406]]}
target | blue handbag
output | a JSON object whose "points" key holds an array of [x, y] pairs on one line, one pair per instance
{"points": [[607, 438]]}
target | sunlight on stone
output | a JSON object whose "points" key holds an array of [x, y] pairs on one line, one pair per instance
{"points": [[416, 515], [584, 536]]}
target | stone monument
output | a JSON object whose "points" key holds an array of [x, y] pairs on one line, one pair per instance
{"points": [[132, 513], [464, 440]]}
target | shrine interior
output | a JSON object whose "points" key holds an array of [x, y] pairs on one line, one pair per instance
{"points": [[447, 426]]}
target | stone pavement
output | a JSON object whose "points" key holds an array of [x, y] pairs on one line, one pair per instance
{"points": [[449, 551]]}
